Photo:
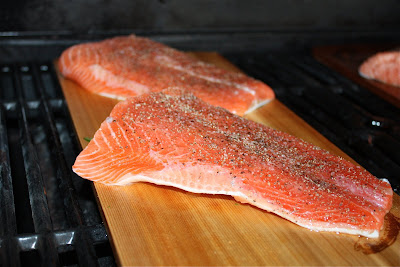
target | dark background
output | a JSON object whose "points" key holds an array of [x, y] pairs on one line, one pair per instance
{"points": [[176, 15], [224, 26]]}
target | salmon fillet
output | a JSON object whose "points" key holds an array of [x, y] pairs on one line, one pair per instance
{"points": [[175, 139], [127, 66], [383, 67]]}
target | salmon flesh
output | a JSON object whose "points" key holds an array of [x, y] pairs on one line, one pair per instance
{"points": [[383, 67], [127, 66], [175, 139]]}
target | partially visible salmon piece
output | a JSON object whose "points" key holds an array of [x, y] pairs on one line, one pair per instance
{"points": [[127, 66], [173, 138], [383, 67]]}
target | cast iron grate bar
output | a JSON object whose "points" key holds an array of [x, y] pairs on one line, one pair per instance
{"points": [[36, 188], [84, 245], [8, 225], [49, 216], [361, 124]]}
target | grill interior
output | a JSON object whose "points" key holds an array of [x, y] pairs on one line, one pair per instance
{"points": [[49, 216]]}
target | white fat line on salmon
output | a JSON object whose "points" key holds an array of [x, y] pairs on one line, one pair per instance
{"points": [[114, 81], [105, 140], [66, 71], [125, 136], [346, 229], [256, 104], [97, 56], [110, 120], [164, 60], [102, 167], [100, 164], [88, 156], [117, 97], [203, 176]]}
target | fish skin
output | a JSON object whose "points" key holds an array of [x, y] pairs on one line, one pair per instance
{"points": [[173, 138], [127, 66], [383, 67]]}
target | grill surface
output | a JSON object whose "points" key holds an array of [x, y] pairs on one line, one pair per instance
{"points": [[49, 216]]}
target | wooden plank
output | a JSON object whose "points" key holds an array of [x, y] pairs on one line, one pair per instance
{"points": [[346, 59], [157, 225]]}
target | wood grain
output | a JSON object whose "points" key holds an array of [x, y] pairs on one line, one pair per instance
{"points": [[157, 225]]}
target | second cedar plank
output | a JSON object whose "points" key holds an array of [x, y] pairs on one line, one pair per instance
{"points": [[346, 59], [157, 225]]}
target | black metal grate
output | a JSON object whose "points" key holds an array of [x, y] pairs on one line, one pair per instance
{"points": [[48, 215], [361, 124]]}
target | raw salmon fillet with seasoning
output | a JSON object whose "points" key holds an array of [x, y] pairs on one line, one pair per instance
{"points": [[175, 139], [127, 66], [383, 67]]}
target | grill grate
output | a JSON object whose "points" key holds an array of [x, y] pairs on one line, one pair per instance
{"points": [[364, 126], [49, 216]]}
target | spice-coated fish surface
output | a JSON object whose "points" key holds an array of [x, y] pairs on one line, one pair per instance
{"points": [[383, 67], [175, 139], [126, 66]]}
